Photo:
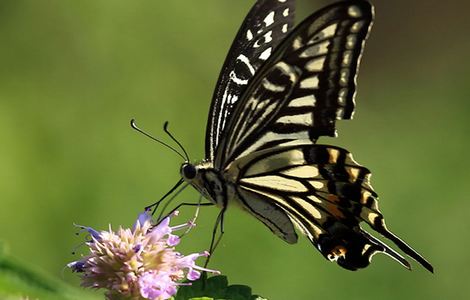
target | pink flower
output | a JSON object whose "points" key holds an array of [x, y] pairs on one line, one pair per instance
{"points": [[137, 264]]}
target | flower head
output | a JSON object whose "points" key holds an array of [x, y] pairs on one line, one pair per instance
{"points": [[137, 263]]}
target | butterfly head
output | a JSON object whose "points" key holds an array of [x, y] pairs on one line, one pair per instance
{"points": [[188, 171], [204, 178]]}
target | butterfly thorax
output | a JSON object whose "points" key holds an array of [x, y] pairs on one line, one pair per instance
{"points": [[208, 181]]}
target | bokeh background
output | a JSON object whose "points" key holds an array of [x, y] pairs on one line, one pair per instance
{"points": [[73, 73]]}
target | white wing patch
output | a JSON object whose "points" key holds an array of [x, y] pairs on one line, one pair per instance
{"points": [[357, 26], [344, 77], [269, 20], [328, 32], [316, 64], [351, 41], [266, 54], [268, 37], [342, 96], [347, 58], [316, 184], [285, 13], [309, 83], [284, 28], [249, 35], [297, 138], [297, 43], [306, 101], [355, 11], [276, 161], [308, 207], [303, 119], [317, 49], [306, 171], [276, 182]]}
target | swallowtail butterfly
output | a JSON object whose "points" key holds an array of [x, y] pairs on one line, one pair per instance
{"points": [[281, 89]]}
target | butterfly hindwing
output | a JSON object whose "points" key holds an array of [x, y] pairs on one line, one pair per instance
{"points": [[267, 23], [325, 193], [269, 213], [306, 84]]}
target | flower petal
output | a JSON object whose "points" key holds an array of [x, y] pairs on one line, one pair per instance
{"points": [[173, 240], [143, 217], [160, 230], [77, 266], [193, 275], [94, 233]]}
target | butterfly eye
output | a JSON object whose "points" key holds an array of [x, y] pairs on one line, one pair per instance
{"points": [[188, 171]]}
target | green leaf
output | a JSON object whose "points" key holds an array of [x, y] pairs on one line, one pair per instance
{"points": [[215, 287], [238, 292]]}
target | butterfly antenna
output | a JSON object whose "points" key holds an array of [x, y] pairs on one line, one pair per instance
{"points": [[134, 126], [165, 128]]}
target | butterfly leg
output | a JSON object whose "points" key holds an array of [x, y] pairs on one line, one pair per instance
{"points": [[155, 205], [215, 241], [185, 204]]}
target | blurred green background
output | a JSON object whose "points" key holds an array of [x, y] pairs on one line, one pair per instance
{"points": [[73, 73]]}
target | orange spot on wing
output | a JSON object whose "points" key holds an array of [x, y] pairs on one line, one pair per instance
{"points": [[333, 198], [332, 207]]}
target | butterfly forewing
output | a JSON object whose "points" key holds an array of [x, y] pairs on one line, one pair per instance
{"points": [[265, 26], [309, 82]]}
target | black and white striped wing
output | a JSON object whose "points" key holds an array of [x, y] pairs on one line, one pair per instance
{"points": [[325, 193], [267, 23], [306, 84]]}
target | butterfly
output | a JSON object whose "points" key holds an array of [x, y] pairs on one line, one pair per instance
{"points": [[280, 89]]}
